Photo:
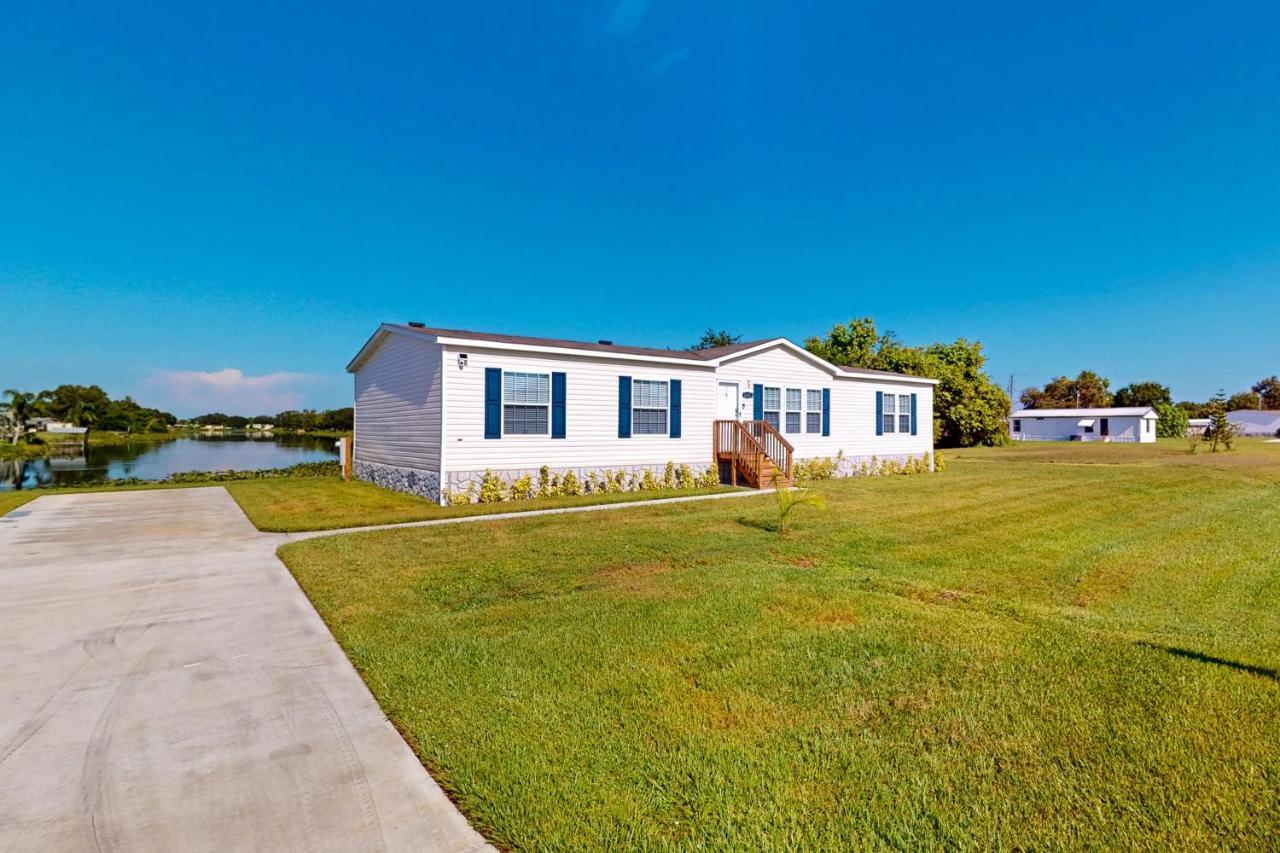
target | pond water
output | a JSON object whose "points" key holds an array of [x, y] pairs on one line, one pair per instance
{"points": [[157, 460]]}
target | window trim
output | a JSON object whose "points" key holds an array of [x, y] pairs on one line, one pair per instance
{"points": [[503, 399], [764, 410], [666, 410], [889, 411], [904, 415], [787, 411], [810, 411]]}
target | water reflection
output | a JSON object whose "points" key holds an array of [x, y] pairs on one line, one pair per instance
{"points": [[156, 460]]}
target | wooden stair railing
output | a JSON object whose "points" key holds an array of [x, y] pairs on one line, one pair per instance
{"points": [[755, 450]]}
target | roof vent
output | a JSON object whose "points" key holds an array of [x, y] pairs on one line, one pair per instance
{"points": [[415, 324], [603, 342]]}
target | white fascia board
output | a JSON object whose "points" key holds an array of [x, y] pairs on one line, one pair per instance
{"points": [[377, 338], [477, 343]]}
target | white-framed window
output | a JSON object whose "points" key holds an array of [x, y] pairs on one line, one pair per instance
{"points": [[888, 414], [771, 405], [526, 403], [1017, 425], [904, 413], [795, 400], [1148, 426], [650, 404], [813, 411]]}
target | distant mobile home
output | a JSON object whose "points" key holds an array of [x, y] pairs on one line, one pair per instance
{"points": [[436, 408], [1256, 422], [1135, 425]]}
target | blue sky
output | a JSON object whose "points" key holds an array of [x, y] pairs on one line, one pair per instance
{"points": [[212, 206]]}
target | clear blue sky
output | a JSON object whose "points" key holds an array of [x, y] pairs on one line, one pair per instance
{"points": [[195, 189]]}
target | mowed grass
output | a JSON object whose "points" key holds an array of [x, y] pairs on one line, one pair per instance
{"points": [[322, 503], [10, 501], [1016, 653]]}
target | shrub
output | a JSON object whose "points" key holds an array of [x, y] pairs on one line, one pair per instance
{"points": [[648, 482], [669, 475], [570, 485], [684, 477], [492, 489], [521, 489], [708, 478], [789, 499], [938, 463], [544, 482]]}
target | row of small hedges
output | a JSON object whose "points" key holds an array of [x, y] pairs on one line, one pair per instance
{"points": [[302, 469], [494, 489]]}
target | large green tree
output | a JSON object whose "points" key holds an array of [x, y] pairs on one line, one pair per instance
{"points": [[1221, 432], [711, 339], [1087, 391], [1243, 400], [1269, 390], [1173, 421], [19, 406], [969, 409], [1143, 394]]}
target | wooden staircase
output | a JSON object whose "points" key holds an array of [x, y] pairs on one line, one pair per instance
{"points": [[757, 454]]}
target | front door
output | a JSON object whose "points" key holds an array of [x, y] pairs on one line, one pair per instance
{"points": [[1106, 427], [727, 402]]}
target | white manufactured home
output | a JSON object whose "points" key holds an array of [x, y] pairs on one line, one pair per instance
{"points": [[1136, 425], [1256, 422], [436, 408]]}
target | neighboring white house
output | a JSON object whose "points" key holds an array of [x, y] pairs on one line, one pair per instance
{"points": [[1136, 424], [437, 408], [1256, 422], [1197, 426]]}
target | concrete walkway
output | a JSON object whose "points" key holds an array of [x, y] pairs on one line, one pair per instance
{"points": [[528, 513], [165, 685]]}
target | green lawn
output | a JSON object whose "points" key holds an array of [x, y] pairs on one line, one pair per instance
{"points": [[1016, 653], [322, 503]]}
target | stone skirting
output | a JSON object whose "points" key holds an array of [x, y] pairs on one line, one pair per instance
{"points": [[460, 481], [863, 466], [413, 481]]}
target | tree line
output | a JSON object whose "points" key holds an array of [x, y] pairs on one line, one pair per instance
{"points": [[86, 406], [1090, 390], [305, 420]]}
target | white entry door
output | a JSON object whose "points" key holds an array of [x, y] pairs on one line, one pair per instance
{"points": [[727, 402]]}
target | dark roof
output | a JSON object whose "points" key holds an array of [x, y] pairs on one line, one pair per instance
{"points": [[847, 369], [691, 355]]}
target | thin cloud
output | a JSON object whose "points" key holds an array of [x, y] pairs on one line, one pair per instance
{"points": [[626, 16], [665, 63], [228, 390]]}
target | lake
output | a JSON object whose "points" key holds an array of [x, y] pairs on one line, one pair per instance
{"points": [[157, 460]]}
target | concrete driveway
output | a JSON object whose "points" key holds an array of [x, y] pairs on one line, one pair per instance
{"points": [[165, 685]]}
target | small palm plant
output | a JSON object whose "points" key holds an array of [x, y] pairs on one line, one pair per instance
{"points": [[790, 499]]}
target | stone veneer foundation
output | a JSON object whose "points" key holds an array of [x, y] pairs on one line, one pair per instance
{"points": [[414, 481]]}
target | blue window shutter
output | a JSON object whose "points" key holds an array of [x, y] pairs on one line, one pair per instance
{"points": [[493, 402], [826, 411], [913, 414], [879, 413], [757, 402], [557, 405], [675, 408], [624, 407]]}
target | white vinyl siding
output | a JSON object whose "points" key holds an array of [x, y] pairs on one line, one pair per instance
{"points": [[397, 418], [591, 414], [526, 403], [649, 407], [852, 405]]}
